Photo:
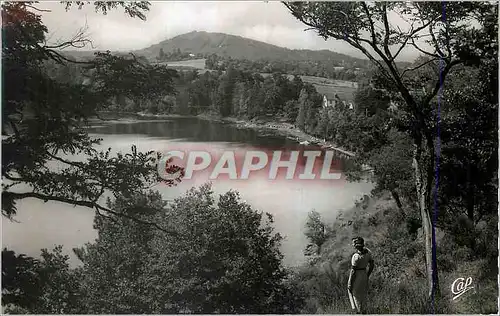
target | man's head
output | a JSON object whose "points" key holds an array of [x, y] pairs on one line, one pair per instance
{"points": [[358, 243]]}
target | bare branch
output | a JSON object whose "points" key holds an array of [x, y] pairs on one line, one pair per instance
{"points": [[11, 178], [370, 20], [79, 40], [36, 9], [423, 51], [447, 36], [411, 35], [387, 33], [355, 42], [419, 66], [434, 40]]}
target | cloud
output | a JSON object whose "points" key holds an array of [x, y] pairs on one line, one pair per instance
{"points": [[269, 22]]}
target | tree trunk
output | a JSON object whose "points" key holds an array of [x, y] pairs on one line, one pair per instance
{"points": [[422, 187], [396, 198]]}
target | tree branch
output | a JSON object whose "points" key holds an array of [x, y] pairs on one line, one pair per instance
{"points": [[71, 163], [387, 33], [441, 79], [423, 51], [436, 44], [419, 66], [11, 178], [89, 204], [370, 20], [35, 8], [357, 45]]}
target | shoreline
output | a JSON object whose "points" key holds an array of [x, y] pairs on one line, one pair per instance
{"points": [[282, 128], [288, 130]]}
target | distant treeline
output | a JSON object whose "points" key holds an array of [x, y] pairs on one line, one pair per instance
{"points": [[332, 69], [240, 94], [176, 55]]}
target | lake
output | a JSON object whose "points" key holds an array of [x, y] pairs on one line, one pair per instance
{"points": [[43, 225]]}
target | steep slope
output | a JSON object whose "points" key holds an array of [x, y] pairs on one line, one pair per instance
{"points": [[398, 284]]}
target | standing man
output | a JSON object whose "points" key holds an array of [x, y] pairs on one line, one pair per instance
{"points": [[357, 286]]}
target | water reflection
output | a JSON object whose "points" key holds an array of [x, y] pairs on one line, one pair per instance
{"points": [[46, 224], [194, 130]]}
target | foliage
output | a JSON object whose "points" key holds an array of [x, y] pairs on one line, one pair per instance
{"points": [[119, 76], [20, 282], [245, 94], [44, 117], [469, 164], [46, 286], [316, 230], [397, 284], [221, 257], [133, 9], [211, 256], [467, 147], [367, 27]]}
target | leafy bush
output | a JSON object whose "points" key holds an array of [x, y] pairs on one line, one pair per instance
{"points": [[218, 255]]}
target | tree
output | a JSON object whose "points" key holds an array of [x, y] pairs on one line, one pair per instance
{"points": [[451, 42], [161, 55], [369, 100], [291, 110], [225, 258], [226, 92], [300, 121], [469, 150], [45, 286], [20, 282], [57, 112], [116, 267], [316, 230], [391, 168]]}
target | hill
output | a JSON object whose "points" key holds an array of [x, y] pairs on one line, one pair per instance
{"points": [[238, 47]]}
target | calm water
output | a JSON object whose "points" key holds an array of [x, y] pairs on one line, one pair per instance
{"points": [[43, 225]]}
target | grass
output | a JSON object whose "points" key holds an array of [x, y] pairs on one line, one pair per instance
{"points": [[329, 87], [344, 93], [398, 284]]}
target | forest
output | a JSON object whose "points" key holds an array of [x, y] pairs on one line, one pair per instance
{"points": [[428, 132], [326, 68]]}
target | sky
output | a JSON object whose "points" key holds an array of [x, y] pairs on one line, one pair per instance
{"points": [[269, 22]]}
